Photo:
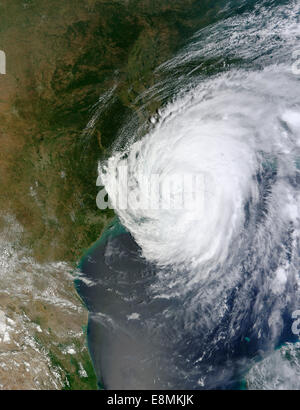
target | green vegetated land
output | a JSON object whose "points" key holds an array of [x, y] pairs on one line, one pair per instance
{"points": [[61, 57]]}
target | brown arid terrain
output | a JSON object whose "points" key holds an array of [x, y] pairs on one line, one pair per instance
{"points": [[42, 341], [62, 56]]}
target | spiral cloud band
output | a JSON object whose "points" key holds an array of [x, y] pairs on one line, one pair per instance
{"points": [[229, 116], [226, 130]]}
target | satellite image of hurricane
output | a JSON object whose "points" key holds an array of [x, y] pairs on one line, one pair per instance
{"points": [[150, 195]]}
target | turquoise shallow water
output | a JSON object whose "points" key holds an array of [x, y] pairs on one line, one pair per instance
{"points": [[113, 229], [119, 282], [160, 323]]}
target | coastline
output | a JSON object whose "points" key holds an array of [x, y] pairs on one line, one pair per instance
{"points": [[114, 228]]}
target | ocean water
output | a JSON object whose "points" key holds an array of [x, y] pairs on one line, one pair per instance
{"points": [[203, 298]]}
